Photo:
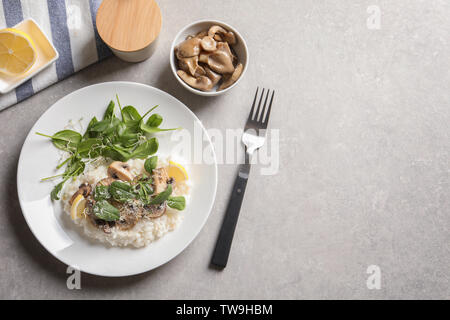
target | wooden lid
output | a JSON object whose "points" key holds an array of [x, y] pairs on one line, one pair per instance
{"points": [[128, 25]]}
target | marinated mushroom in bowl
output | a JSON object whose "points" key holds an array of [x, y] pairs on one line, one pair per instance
{"points": [[207, 60]]}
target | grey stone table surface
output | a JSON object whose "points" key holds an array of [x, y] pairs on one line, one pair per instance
{"points": [[362, 111]]}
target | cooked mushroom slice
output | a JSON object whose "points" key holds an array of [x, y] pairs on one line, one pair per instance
{"points": [[208, 44], [216, 29], [127, 222], [218, 37], [201, 34], [221, 62], [106, 181], [229, 37], [204, 56], [233, 78], [160, 177], [188, 64], [225, 35], [155, 210], [200, 71], [202, 83], [130, 214], [85, 189], [223, 46], [120, 170], [214, 77], [188, 48]]}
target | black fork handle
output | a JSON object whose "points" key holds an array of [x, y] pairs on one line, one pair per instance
{"points": [[223, 245]]}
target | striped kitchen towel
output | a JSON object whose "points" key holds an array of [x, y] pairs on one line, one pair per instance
{"points": [[70, 25]]}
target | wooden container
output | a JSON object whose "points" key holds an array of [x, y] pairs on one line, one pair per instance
{"points": [[130, 28]]}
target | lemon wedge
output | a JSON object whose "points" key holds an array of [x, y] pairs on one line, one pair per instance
{"points": [[177, 171], [77, 209], [17, 51]]}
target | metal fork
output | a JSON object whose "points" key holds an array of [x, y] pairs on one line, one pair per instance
{"points": [[253, 139]]}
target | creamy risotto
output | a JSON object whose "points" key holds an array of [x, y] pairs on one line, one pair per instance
{"points": [[140, 231]]}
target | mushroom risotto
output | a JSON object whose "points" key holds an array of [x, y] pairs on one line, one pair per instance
{"points": [[139, 222], [113, 186]]}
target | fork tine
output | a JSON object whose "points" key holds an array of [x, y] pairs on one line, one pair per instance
{"points": [[263, 111], [259, 105], [250, 116], [266, 120]]}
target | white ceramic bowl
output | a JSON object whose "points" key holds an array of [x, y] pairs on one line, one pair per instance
{"points": [[192, 29]]}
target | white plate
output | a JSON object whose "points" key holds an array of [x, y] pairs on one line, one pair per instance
{"points": [[53, 228]]}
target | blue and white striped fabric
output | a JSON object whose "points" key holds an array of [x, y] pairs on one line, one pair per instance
{"points": [[71, 26]]}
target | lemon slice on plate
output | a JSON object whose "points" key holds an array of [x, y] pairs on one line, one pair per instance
{"points": [[17, 52], [177, 171], [78, 206]]}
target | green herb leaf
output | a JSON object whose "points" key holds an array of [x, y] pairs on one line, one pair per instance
{"points": [[100, 126], [133, 126], [163, 196], [89, 148], [178, 203], [151, 164], [129, 113], [102, 193], [115, 152], [154, 120], [149, 129], [150, 110], [152, 124], [118, 103], [106, 211], [147, 187], [121, 191], [89, 133], [143, 190], [66, 140], [109, 113], [146, 149], [128, 140], [64, 162], [121, 129], [131, 118], [54, 195], [75, 167], [112, 127]]}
